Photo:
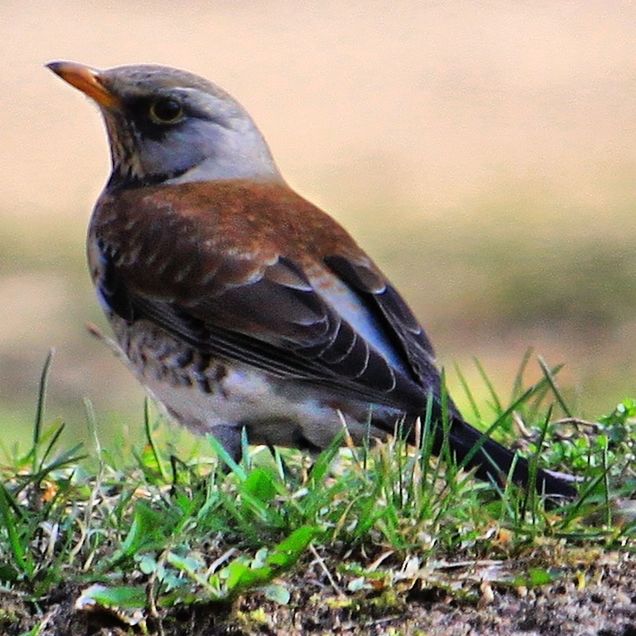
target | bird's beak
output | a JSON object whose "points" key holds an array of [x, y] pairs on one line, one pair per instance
{"points": [[87, 80]]}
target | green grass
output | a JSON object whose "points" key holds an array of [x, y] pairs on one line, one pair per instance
{"points": [[142, 534]]}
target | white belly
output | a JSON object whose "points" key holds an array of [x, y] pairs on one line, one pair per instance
{"points": [[225, 397]]}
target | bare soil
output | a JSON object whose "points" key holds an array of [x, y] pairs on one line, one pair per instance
{"points": [[600, 601]]}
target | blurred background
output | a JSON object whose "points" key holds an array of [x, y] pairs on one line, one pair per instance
{"points": [[483, 152]]}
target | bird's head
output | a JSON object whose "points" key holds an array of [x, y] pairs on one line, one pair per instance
{"points": [[170, 126]]}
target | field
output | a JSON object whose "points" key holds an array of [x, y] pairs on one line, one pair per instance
{"points": [[484, 155]]}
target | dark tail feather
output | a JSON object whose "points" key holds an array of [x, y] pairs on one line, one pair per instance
{"points": [[493, 461]]}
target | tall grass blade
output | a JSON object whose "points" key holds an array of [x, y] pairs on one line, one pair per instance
{"points": [[517, 386], [39, 410], [151, 442], [551, 381], [489, 385], [468, 393]]}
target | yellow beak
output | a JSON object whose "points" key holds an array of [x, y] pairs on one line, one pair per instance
{"points": [[87, 80]]}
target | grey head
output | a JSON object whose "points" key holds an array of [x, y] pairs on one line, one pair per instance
{"points": [[170, 126]]}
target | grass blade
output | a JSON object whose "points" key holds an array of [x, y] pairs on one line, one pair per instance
{"points": [[18, 546], [517, 386], [468, 393], [151, 442], [491, 389], [551, 381], [41, 402]]}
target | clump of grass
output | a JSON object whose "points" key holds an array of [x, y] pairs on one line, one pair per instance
{"points": [[159, 531]]}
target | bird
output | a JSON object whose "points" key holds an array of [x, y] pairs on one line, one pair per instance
{"points": [[241, 306]]}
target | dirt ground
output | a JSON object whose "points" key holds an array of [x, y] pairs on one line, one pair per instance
{"points": [[604, 606]]}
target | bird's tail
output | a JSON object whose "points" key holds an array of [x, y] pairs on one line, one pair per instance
{"points": [[494, 462]]}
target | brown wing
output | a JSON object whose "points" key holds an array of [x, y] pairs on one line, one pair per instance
{"points": [[288, 293]]}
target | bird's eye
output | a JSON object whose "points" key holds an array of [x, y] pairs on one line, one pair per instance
{"points": [[166, 111]]}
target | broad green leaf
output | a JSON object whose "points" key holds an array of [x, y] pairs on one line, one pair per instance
{"points": [[286, 553], [118, 597], [146, 532], [260, 484]]}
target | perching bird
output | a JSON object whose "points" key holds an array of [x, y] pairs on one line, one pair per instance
{"points": [[238, 303]]}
